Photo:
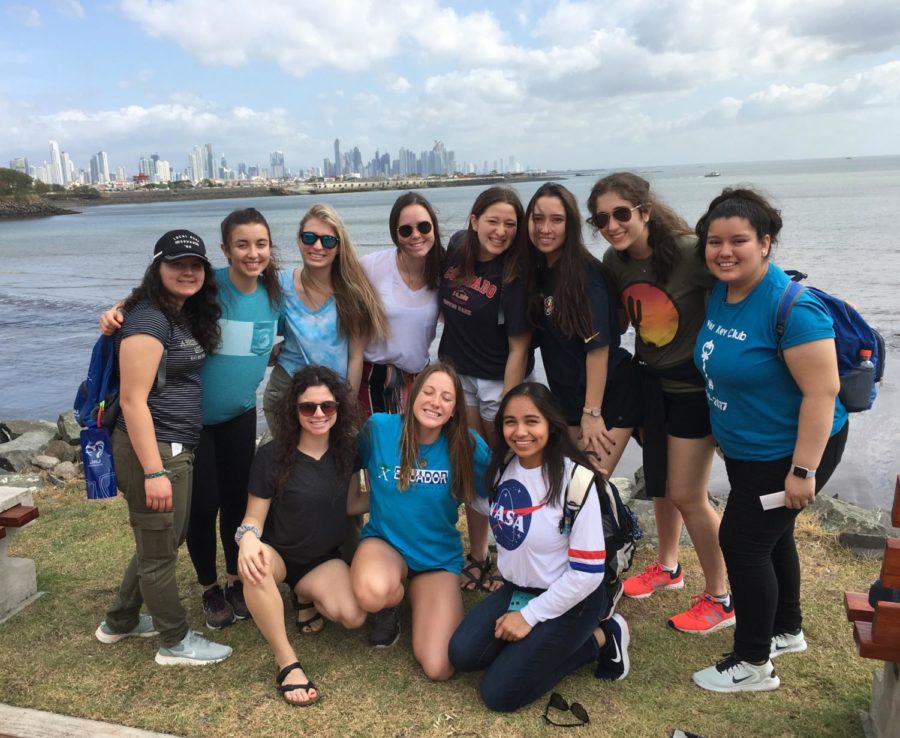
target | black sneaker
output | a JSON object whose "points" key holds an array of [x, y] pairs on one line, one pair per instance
{"points": [[613, 662], [385, 628], [216, 608], [234, 596]]}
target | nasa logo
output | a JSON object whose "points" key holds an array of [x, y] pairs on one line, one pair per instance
{"points": [[511, 514]]}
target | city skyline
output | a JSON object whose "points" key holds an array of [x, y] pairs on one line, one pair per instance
{"points": [[558, 83]]}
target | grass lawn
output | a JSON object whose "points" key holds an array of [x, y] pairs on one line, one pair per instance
{"points": [[51, 661]]}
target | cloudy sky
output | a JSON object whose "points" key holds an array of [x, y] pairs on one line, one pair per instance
{"points": [[555, 83]]}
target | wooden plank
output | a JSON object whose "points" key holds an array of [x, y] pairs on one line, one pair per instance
{"points": [[868, 649], [18, 515], [886, 623], [895, 511], [857, 606], [890, 566], [2, 535]]}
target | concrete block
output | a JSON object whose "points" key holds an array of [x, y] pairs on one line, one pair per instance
{"points": [[885, 711], [18, 576]]}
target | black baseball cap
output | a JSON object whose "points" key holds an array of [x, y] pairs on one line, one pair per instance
{"points": [[176, 245]]}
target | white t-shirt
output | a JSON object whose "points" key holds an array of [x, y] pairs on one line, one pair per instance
{"points": [[531, 550], [412, 315]]}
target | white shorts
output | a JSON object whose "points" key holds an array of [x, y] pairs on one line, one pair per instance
{"points": [[485, 394]]}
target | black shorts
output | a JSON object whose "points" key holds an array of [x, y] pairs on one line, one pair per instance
{"points": [[622, 397], [296, 571], [687, 414]]}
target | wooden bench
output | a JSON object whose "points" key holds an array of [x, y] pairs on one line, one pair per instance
{"points": [[17, 516]]}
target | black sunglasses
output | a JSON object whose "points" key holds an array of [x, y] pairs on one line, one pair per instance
{"points": [[423, 227], [621, 214], [308, 238], [558, 702], [308, 409]]}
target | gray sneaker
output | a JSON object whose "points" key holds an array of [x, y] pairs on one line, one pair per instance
{"points": [[193, 650], [144, 629]]}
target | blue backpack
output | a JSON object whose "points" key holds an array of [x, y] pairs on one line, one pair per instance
{"points": [[852, 334], [97, 399]]}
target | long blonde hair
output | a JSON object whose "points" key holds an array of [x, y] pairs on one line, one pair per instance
{"points": [[459, 440], [359, 309]]}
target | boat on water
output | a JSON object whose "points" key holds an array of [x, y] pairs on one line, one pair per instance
{"points": [[713, 173]]}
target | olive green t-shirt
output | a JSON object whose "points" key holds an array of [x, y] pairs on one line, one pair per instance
{"points": [[666, 317]]}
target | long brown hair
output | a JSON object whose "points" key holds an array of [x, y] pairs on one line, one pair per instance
{"points": [[341, 438], [515, 256], [663, 226], [572, 314], [359, 309], [459, 439], [434, 261], [252, 216]]}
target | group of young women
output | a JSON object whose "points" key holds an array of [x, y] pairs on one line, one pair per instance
{"points": [[353, 389]]}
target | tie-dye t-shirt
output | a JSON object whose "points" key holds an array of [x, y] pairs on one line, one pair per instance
{"points": [[666, 317]]}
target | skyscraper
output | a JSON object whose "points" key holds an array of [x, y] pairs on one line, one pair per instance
{"points": [[276, 165], [195, 165], [209, 162], [338, 162], [103, 163], [56, 172], [19, 164]]}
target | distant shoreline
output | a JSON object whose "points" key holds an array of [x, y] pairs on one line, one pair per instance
{"points": [[44, 207]]}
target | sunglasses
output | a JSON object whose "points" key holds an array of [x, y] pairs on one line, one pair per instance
{"points": [[621, 214], [424, 227], [558, 702], [308, 238], [308, 409]]}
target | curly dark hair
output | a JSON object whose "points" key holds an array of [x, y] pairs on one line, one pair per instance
{"points": [[434, 262], [573, 314], [663, 226], [559, 444], [252, 216], [746, 203], [341, 437], [200, 312]]}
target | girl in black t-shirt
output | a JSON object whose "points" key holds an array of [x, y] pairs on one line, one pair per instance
{"points": [[296, 520], [487, 336]]}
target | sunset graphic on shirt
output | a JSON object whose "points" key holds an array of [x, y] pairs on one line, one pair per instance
{"points": [[651, 312]]}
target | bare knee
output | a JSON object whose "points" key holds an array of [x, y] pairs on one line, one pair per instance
{"points": [[376, 594], [352, 619], [436, 669]]}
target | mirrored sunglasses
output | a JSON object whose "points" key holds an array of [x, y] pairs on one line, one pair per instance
{"points": [[308, 238], [621, 214], [423, 226], [308, 409]]}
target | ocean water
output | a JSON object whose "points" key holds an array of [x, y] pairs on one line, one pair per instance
{"points": [[59, 273]]}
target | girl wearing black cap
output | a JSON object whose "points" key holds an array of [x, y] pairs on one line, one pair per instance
{"points": [[170, 318]]}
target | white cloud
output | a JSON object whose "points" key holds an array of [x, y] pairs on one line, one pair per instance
{"points": [[70, 9], [397, 84], [26, 15]]}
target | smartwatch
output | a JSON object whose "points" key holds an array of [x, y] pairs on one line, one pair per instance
{"points": [[802, 472]]}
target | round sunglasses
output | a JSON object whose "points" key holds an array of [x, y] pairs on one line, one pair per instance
{"points": [[621, 214], [308, 238], [423, 226], [308, 409]]}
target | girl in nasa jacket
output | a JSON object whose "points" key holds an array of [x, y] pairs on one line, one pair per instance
{"points": [[542, 624]]}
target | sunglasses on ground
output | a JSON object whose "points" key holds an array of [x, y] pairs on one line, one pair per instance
{"points": [[621, 214], [423, 227], [308, 409], [308, 238], [558, 702]]}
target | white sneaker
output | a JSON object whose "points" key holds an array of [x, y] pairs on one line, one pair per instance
{"points": [[787, 643], [144, 629], [732, 674], [192, 650]]}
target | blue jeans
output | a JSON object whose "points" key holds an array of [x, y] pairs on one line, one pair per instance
{"points": [[518, 672]]}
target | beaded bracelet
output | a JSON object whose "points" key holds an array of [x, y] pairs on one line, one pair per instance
{"points": [[156, 475]]}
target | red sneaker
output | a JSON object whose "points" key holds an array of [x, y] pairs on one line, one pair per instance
{"points": [[706, 615], [654, 577]]}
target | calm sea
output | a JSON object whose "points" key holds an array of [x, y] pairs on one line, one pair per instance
{"points": [[60, 272]]}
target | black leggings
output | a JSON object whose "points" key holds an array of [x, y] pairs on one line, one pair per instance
{"points": [[221, 473], [759, 549]]}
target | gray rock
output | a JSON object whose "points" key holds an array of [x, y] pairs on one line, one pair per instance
{"points": [[45, 461], [16, 428], [640, 486], [61, 450], [625, 487], [17, 454], [66, 470], [69, 431], [21, 480], [838, 516]]}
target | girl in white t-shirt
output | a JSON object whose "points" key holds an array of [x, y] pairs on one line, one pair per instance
{"points": [[542, 624]]}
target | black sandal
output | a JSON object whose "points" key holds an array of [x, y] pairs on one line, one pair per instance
{"points": [[306, 626], [283, 688], [475, 582]]}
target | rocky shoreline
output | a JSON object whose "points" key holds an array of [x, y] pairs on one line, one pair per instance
{"points": [[32, 207], [37, 453]]}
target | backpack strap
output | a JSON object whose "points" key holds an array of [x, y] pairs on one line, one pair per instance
{"points": [[499, 475], [789, 297], [576, 491]]}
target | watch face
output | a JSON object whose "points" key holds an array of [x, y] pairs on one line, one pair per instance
{"points": [[799, 471]]}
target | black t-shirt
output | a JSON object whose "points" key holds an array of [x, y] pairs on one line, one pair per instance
{"points": [[176, 410], [564, 357], [479, 317], [310, 519]]}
